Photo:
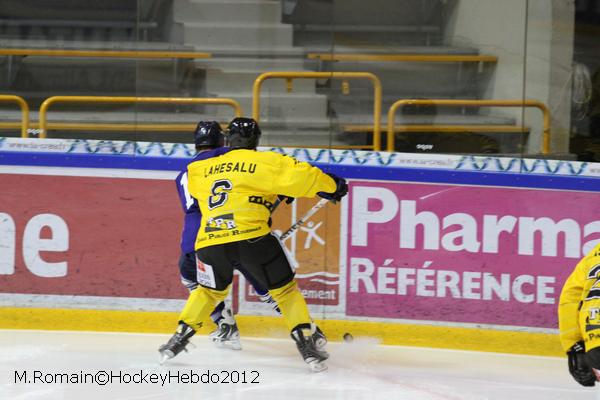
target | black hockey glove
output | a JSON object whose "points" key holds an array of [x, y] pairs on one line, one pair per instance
{"points": [[578, 367], [287, 199], [340, 191]]}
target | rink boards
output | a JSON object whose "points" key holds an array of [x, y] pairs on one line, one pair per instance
{"points": [[430, 250]]}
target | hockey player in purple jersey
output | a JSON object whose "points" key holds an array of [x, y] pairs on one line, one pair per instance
{"points": [[208, 139]]}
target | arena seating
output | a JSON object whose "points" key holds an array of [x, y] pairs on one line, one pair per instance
{"points": [[104, 20], [246, 39]]}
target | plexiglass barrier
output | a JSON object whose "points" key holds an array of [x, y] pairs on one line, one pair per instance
{"points": [[419, 49]]}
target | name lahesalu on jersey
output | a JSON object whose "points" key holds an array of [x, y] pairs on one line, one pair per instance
{"points": [[222, 168]]}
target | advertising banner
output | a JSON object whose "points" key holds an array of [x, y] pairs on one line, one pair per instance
{"points": [[469, 254], [87, 235], [468, 241]]}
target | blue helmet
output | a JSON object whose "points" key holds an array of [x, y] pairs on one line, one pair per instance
{"points": [[208, 134], [243, 133]]}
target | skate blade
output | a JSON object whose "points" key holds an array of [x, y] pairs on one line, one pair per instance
{"points": [[317, 366], [165, 356], [228, 345]]}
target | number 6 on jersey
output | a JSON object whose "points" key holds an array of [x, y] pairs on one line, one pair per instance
{"points": [[219, 191]]}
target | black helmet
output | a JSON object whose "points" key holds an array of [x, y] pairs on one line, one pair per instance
{"points": [[208, 134], [243, 133]]}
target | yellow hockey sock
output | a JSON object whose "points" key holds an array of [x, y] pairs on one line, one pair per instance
{"points": [[292, 305], [200, 304]]}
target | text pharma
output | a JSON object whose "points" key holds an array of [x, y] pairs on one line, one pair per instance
{"points": [[463, 232]]}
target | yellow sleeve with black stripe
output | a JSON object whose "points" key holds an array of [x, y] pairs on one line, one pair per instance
{"points": [[575, 300], [568, 309]]}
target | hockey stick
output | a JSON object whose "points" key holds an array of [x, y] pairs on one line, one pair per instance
{"points": [[277, 202], [320, 204], [275, 205]]}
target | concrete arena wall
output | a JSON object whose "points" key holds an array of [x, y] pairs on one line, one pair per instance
{"points": [[426, 250]]}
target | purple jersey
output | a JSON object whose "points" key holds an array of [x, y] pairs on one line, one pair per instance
{"points": [[191, 222]]}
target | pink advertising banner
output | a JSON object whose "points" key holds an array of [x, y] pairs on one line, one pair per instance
{"points": [[466, 254]]}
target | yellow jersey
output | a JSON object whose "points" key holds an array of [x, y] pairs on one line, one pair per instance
{"points": [[235, 192], [579, 305]]}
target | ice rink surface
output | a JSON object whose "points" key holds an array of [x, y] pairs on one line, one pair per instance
{"points": [[358, 370]]}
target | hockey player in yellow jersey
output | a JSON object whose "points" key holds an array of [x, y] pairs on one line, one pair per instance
{"points": [[579, 319], [236, 192]]}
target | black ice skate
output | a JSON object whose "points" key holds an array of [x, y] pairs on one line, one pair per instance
{"points": [[303, 336], [319, 339], [227, 335], [177, 343]]}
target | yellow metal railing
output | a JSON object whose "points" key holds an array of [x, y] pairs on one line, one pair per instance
{"points": [[43, 124], [104, 53], [289, 76], [470, 103], [358, 128], [424, 58], [24, 111]]}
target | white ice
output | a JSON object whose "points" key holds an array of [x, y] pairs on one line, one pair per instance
{"points": [[358, 370]]}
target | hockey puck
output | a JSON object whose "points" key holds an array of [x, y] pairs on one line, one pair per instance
{"points": [[348, 337]]}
